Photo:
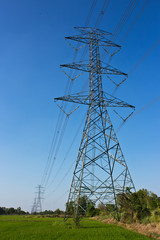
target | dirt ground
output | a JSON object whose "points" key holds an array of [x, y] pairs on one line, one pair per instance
{"points": [[150, 230]]}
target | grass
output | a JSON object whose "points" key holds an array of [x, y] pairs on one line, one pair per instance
{"points": [[38, 228]]}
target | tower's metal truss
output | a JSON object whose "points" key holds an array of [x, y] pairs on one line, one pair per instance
{"points": [[37, 205], [101, 172]]}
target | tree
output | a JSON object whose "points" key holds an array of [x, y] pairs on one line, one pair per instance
{"points": [[11, 211], [101, 207], [70, 208], [84, 203], [2, 211], [125, 205], [153, 201], [110, 208], [92, 211], [57, 211], [18, 210], [135, 205]]}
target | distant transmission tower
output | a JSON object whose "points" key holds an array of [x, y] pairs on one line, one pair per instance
{"points": [[33, 210], [37, 205], [101, 172]]}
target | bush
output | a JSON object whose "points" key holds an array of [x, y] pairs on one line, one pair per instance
{"points": [[92, 211], [126, 217], [142, 213]]}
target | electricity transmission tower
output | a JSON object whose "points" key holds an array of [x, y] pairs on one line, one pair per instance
{"points": [[33, 210], [37, 205], [101, 172]]}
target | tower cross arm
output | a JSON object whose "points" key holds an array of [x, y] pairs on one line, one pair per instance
{"points": [[88, 30], [78, 66], [86, 39], [104, 69], [86, 99], [111, 101], [108, 69], [79, 98]]}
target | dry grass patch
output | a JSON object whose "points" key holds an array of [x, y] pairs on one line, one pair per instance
{"points": [[150, 229]]}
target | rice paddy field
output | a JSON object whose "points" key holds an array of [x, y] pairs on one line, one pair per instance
{"points": [[45, 228]]}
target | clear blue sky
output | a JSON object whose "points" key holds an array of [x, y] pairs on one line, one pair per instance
{"points": [[32, 47]]}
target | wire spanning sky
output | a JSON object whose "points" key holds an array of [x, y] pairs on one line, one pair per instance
{"points": [[32, 47]]}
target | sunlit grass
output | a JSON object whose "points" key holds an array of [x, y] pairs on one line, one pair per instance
{"points": [[37, 228]]}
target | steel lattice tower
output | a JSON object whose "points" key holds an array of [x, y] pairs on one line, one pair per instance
{"points": [[101, 171], [33, 210], [37, 205]]}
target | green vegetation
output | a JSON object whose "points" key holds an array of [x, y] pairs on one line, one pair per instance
{"points": [[41, 228], [55, 213], [142, 206], [11, 211]]}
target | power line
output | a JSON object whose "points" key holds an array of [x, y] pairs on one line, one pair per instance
{"points": [[90, 13], [122, 39], [144, 56], [145, 107], [70, 147], [50, 152], [104, 7], [62, 180], [60, 196], [97, 23], [99, 19], [120, 25], [54, 142], [57, 149], [99, 145], [101, 14], [127, 13], [51, 160], [135, 20]]}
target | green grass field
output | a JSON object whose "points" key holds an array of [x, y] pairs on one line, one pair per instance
{"points": [[34, 228]]}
